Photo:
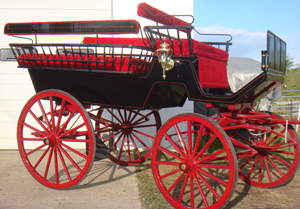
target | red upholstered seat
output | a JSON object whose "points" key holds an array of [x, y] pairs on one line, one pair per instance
{"points": [[124, 64], [212, 62], [115, 40]]}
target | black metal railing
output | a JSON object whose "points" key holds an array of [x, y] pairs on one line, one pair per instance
{"points": [[88, 57]]}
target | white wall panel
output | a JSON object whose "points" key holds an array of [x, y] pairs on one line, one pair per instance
{"points": [[15, 84]]}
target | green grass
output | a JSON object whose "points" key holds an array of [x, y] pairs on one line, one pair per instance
{"points": [[150, 196]]}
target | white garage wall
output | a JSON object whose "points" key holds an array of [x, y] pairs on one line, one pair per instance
{"points": [[15, 84]]}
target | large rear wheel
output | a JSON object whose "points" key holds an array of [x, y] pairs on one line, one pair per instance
{"points": [[53, 130]]}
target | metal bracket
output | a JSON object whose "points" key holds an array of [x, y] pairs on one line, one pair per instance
{"points": [[6, 54]]}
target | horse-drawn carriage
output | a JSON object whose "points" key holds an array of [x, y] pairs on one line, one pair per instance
{"points": [[104, 94]]}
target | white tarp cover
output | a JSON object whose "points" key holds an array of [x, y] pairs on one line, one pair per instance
{"points": [[240, 71]]}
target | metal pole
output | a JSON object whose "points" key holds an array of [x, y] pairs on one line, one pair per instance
{"points": [[298, 116], [291, 109]]}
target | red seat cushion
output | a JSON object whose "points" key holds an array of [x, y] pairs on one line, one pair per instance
{"points": [[124, 63], [115, 40], [212, 62]]}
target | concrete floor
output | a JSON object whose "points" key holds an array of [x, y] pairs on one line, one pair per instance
{"points": [[108, 185]]}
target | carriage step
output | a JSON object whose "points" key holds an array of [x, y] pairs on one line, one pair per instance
{"points": [[102, 151]]}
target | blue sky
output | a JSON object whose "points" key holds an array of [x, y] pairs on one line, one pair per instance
{"points": [[248, 21]]}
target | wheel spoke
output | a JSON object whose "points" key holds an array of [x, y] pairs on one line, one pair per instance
{"points": [[66, 122], [121, 148], [283, 152], [38, 120], [41, 158], [167, 163], [201, 190], [56, 166], [275, 166], [52, 113], [208, 186], [145, 126], [72, 130], [248, 161], [211, 156], [48, 163], [213, 177], [114, 116], [60, 115], [114, 145], [144, 134], [281, 160], [173, 144], [44, 114], [180, 139], [172, 154], [128, 148], [70, 159], [213, 166], [64, 164], [170, 173], [210, 141], [74, 151], [243, 138], [111, 137], [175, 183], [36, 149], [190, 148], [135, 136], [32, 139], [135, 147], [253, 166], [260, 169], [75, 140], [34, 129], [183, 188], [268, 169], [200, 134], [192, 191]]}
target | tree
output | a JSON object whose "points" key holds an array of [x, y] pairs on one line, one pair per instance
{"points": [[289, 62], [291, 80]]}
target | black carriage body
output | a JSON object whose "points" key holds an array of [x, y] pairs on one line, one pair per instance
{"points": [[148, 91]]}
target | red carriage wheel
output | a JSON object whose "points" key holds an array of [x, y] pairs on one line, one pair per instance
{"points": [[128, 134], [194, 163], [53, 130], [277, 157]]}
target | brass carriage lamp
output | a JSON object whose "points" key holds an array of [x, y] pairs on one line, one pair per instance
{"points": [[164, 58]]}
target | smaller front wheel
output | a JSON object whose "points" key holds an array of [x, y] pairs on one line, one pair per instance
{"points": [[194, 163]]}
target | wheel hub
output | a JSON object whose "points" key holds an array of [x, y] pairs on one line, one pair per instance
{"points": [[126, 128], [51, 140], [188, 165]]}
